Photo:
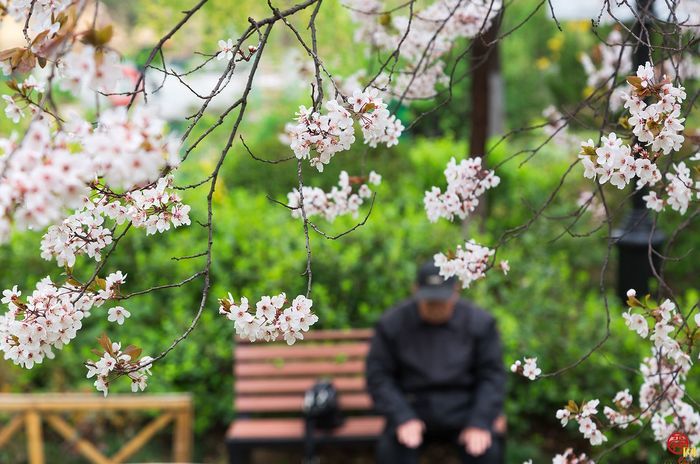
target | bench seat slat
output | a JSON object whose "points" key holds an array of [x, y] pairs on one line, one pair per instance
{"points": [[295, 385], [294, 403], [307, 351], [290, 369], [246, 429]]}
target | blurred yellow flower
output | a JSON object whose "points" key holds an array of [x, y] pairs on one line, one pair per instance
{"points": [[583, 25], [542, 63], [556, 43]]}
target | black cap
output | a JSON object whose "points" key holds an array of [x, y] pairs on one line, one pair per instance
{"points": [[431, 285]]}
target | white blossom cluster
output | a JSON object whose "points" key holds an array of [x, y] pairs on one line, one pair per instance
{"points": [[333, 132], [13, 112], [679, 188], [527, 368], [585, 416], [664, 377], [130, 149], [610, 59], [39, 178], [51, 170], [338, 202], [84, 232], [27, 90], [84, 64], [661, 396], [622, 417], [657, 126], [115, 361], [154, 209], [616, 163], [466, 182], [45, 14], [90, 68], [423, 39], [469, 262], [49, 318], [271, 319], [569, 457]]}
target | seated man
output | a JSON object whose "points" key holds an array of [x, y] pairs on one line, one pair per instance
{"points": [[435, 370]]}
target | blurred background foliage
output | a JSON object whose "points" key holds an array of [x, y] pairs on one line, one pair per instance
{"points": [[550, 305]]}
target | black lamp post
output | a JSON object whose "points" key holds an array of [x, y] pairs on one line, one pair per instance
{"points": [[637, 231]]}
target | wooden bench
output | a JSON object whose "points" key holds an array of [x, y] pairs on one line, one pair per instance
{"points": [[270, 381], [31, 410]]}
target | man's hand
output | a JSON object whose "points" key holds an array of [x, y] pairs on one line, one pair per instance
{"points": [[410, 433], [475, 440]]}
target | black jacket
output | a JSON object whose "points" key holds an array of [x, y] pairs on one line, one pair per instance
{"points": [[449, 375]]}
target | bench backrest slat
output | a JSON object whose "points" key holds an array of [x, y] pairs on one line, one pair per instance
{"points": [[307, 351], [266, 387], [296, 369]]}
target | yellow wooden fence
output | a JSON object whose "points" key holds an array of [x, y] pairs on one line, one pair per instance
{"points": [[33, 410]]}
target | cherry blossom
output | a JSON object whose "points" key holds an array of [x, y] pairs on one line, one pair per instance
{"points": [[466, 182], [677, 190], [12, 111], [115, 361], [655, 119], [333, 132], [118, 314], [90, 68], [52, 169], [49, 318], [610, 59], [527, 369], [338, 202], [271, 319], [85, 231], [622, 417], [225, 50], [664, 373], [82, 232], [130, 149], [429, 38], [584, 415], [657, 124], [469, 262], [569, 457], [653, 202]]}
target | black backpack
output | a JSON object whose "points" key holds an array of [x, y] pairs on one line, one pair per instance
{"points": [[321, 411]]}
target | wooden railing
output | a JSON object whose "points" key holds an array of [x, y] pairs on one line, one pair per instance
{"points": [[32, 410]]}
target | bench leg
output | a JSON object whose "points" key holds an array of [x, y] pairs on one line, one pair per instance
{"points": [[239, 453]]}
